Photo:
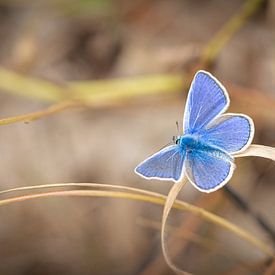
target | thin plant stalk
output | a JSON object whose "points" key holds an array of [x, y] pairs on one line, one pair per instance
{"points": [[139, 195]]}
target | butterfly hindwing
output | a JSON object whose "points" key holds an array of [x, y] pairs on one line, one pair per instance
{"points": [[207, 99], [208, 169], [164, 165]]}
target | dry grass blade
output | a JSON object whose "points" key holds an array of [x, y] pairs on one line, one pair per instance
{"points": [[258, 151], [171, 197], [187, 231], [139, 195], [185, 235]]}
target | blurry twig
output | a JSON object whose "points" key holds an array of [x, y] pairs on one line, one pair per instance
{"points": [[82, 93], [119, 89], [245, 206], [187, 228], [102, 91], [107, 92], [89, 91], [39, 114], [271, 269], [214, 47], [209, 244], [26, 86]]}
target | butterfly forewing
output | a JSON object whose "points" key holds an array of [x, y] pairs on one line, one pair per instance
{"points": [[165, 164], [207, 99]]}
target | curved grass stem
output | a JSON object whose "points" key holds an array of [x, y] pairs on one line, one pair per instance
{"points": [[171, 198], [138, 195]]}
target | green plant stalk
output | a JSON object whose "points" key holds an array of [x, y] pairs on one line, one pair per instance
{"points": [[90, 92], [34, 88], [119, 89], [102, 90]]}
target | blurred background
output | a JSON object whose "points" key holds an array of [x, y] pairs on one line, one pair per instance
{"points": [[66, 49]]}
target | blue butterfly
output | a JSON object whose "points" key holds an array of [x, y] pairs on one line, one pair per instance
{"points": [[205, 152]]}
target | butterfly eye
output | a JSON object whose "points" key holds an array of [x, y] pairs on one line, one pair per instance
{"points": [[176, 139]]}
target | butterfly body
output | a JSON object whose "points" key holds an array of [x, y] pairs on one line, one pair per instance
{"points": [[205, 152], [190, 144], [188, 141]]}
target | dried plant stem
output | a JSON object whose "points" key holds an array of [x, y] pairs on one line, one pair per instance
{"points": [[171, 197], [44, 113], [193, 237], [255, 150], [139, 195], [188, 226]]}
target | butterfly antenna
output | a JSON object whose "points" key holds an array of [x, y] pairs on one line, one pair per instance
{"points": [[245, 207], [178, 128]]}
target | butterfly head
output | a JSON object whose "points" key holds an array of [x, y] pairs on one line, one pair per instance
{"points": [[186, 141], [176, 139]]}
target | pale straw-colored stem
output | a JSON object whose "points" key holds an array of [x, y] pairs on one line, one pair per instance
{"points": [[54, 109], [255, 150], [139, 195], [171, 198]]}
